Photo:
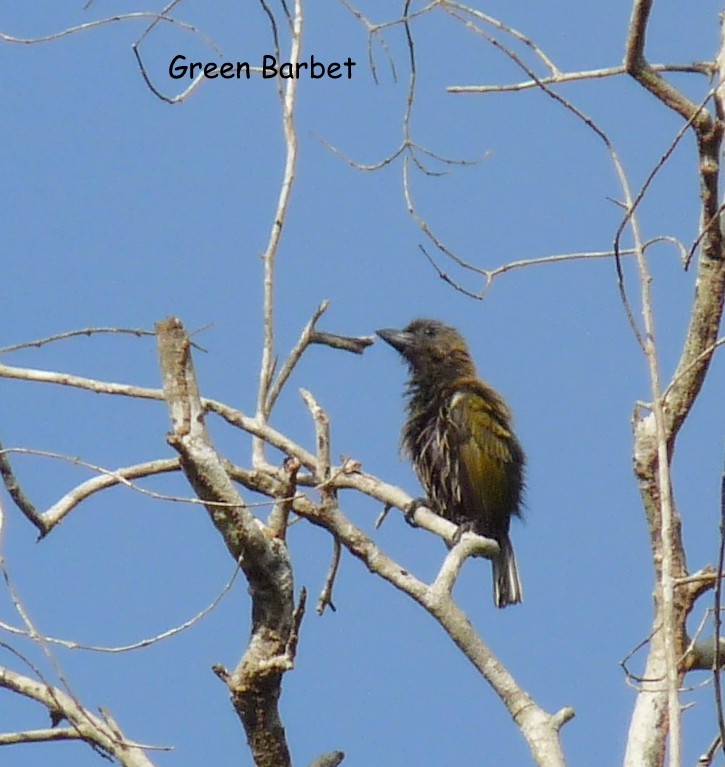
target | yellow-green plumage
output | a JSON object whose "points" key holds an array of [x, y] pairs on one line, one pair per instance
{"points": [[459, 437]]}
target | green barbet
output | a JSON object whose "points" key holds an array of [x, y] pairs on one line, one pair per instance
{"points": [[459, 437]]}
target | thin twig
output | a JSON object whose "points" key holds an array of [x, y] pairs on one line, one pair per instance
{"points": [[109, 478], [88, 25], [705, 231], [141, 643], [288, 99], [64, 703], [72, 334], [294, 357], [703, 68], [382, 516], [325, 599], [506, 29], [717, 615]]}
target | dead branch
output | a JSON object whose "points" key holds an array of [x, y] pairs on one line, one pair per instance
{"points": [[61, 508], [47, 520], [354, 344], [469, 545], [322, 437], [288, 98], [15, 491], [79, 382], [141, 643], [329, 760], [300, 347], [655, 435], [540, 729], [340, 477], [39, 736], [325, 599], [255, 684], [279, 518], [706, 68], [718, 653], [88, 332], [90, 728], [89, 25]]}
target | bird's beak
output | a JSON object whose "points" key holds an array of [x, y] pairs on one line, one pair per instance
{"points": [[398, 339]]}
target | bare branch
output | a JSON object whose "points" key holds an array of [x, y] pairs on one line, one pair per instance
{"points": [[138, 332], [279, 518], [705, 655], [507, 29], [461, 13], [717, 650], [92, 729], [354, 344], [654, 435], [332, 759], [60, 704], [89, 25], [698, 67], [270, 255], [637, 66], [47, 520], [382, 516], [136, 48], [691, 364], [15, 491], [707, 758], [636, 201], [179, 97], [256, 682], [229, 414], [80, 382], [294, 357], [72, 645], [540, 729], [325, 599], [322, 436], [562, 716], [470, 545], [297, 616], [39, 736], [490, 274], [61, 508]]}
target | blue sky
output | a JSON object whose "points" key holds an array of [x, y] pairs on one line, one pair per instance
{"points": [[119, 210]]}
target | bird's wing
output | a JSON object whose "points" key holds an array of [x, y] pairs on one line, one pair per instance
{"points": [[485, 455]]}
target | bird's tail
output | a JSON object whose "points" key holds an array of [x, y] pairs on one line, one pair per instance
{"points": [[506, 582]]}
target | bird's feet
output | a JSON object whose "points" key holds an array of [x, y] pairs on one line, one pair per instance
{"points": [[412, 507], [464, 527]]}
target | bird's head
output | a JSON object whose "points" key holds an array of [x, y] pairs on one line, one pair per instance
{"points": [[431, 349]]}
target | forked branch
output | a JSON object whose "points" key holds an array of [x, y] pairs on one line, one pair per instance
{"points": [[255, 685]]}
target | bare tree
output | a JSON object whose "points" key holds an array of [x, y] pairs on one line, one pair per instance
{"points": [[307, 485]]}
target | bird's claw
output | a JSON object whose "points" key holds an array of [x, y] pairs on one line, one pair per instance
{"points": [[412, 507], [464, 527]]}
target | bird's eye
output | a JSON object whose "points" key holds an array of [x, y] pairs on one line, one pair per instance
{"points": [[429, 332]]}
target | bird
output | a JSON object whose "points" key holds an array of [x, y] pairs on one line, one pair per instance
{"points": [[459, 437]]}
